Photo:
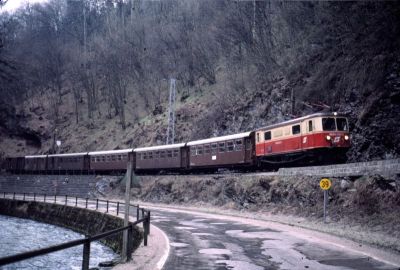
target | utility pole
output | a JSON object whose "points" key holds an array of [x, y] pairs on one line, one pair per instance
{"points": [[84, 33], [171, 112]]}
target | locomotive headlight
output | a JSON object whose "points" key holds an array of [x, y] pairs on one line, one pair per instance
{"points": [[328, 138], [346, 137]]}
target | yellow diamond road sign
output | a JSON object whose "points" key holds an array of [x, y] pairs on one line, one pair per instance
{"points": [[325, 184]]}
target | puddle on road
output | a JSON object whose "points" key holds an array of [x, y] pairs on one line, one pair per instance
{"points": [[194, 224], [215, 251], [176, 244], [202, 234], [251, 235], [239, 265], [185, 228]]}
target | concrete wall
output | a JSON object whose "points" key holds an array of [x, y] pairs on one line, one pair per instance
{"points": [[87, 222]]}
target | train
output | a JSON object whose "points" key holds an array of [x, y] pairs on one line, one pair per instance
{"points": [[315, 138]]}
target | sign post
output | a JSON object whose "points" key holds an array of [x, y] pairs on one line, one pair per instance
{"points": [[325, 185]]}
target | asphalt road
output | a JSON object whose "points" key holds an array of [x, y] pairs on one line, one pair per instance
{"points": [[199, 242]]}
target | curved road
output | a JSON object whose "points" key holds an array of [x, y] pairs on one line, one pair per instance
{"points": [[202, 241]]}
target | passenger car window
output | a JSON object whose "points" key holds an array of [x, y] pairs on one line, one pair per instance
{"points": [[328, 124], [229, 146], [310, 126], [207, 149], [213, 148], [199, 150], [162, 154], [176, 153], [169, 153], [342, 124], [267, 135], [296, 129], [238, 145], [221, 147]]}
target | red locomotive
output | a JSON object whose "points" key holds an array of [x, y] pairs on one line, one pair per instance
{"points": [[316, 138]]}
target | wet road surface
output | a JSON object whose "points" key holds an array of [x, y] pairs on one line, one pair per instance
{"points": [[198, 242]]}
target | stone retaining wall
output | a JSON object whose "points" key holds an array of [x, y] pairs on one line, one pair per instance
{"points": [[382, 167], [87, 222]]}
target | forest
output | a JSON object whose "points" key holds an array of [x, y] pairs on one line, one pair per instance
{"points": [[95, 73]]}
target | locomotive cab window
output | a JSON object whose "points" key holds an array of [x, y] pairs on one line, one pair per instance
{"points": [[267, 135], [341, 124], [328, 124], [296, 129]]}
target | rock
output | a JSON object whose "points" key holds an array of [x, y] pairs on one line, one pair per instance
{"points": [[344, 184], [108, 264]]}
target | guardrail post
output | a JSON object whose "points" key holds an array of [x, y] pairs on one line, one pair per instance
{"points": [[76, 201], [66, 199], [117, 208], [34, 197], [107, 207], [14, 196], [97, 204], [44, 198], [86, 255], [55, 198], [137, 212], [145, 232], [86, 202], [148, 221], [24, 196], [130, 244]]}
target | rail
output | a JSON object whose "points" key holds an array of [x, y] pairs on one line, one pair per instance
{"points": [[142, 216]]}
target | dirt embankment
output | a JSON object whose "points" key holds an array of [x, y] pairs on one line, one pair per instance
{"points": [[365, 209]]}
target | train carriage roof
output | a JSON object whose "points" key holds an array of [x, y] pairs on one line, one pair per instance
{"points": [[68, 154], [300, 119], [218, 139], [36, 156], [110, 152], [160, 147]]}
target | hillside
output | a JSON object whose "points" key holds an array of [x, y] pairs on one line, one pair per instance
{"points": [[100, 81]]}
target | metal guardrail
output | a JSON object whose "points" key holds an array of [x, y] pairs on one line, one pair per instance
{"points": [[77, 202]]}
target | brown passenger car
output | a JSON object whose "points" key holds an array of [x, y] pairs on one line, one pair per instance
{"points": [[35, 163], [15, 164], [220, 152], [170, 157], [68, 162], [114, 160]]}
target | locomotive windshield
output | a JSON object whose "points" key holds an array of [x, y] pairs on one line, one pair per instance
{"points": [[342, 124], [329, 124]]}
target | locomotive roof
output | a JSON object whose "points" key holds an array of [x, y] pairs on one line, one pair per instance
{"points": [[36, 156], [160, 147], [297, 120], [68, 154], [111, 152], [221, 138]]}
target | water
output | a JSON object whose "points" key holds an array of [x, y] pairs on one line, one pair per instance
{"points": [[19, 235]]}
